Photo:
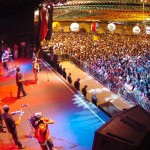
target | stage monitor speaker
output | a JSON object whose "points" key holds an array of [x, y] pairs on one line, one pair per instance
{"points": [[129, 130]]}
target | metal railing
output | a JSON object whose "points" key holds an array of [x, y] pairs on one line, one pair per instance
{"points": [[130, 96]]}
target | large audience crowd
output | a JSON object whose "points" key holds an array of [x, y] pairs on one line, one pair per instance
{"points": [[121, 62]]}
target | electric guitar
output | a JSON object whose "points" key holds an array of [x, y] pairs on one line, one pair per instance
{"points": [[20, 115], [37, 54]]}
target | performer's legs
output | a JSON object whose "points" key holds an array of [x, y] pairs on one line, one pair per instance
{"points": [[43, 146], [19, 91], [5, 66], [50, 143], [23, 91], [36, 76], [16, 139]]}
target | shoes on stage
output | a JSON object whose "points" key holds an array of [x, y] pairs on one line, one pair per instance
{"points": [[21, 147], [25, 95], [18, 97]]}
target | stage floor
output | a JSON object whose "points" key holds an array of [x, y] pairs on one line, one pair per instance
{"points": [[76, 118]]}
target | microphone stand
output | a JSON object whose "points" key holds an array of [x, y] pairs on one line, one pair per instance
{"points": [[47, 77], [31, 134], [30, 110]]}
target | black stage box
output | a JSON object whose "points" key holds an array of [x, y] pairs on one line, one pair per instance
{"points": [[129, 130]]}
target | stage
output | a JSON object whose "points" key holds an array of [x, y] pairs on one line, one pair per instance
{"points": [[76, 118]]}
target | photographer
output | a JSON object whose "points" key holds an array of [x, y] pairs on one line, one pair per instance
{"points": [[42, 132]]}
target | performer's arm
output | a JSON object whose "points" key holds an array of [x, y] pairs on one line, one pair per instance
{"points": [[48, 121], [20, 115]]}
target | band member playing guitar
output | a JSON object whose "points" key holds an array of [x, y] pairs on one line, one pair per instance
{"points": [[5, 59], [36, 69], [11, 125]]}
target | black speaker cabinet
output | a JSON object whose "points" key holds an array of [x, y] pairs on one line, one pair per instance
{"points": [[129, 130]]}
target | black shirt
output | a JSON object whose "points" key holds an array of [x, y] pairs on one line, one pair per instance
{"points": [[10, 122]]}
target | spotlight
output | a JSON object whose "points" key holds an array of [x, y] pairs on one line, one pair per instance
{"points": [[48, 6]]}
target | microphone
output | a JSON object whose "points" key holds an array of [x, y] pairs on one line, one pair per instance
{"points": [[24, 105]]}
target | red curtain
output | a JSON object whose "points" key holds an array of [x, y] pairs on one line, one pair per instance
{"points": [[44, 26]]}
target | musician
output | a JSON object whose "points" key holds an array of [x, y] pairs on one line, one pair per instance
{"points": [[19, 82], [42, 132], [10, 58], [11, 125], [36, 69], [5, 59]]}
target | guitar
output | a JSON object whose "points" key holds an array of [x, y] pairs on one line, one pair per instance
{"points": [[5, 58], [36, 66], [20, 116], [37, 54]]}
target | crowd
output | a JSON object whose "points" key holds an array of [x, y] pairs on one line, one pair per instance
{"points": [[121, 62]]}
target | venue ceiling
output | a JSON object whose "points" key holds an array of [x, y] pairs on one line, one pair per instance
{"points": [[121, 11]]}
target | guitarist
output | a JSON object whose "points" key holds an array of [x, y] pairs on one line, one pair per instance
{"points": [[5, 59], [11, 125], [19, 82]]}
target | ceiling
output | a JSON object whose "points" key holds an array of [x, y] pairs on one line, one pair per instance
{"points": [[120, 11]]}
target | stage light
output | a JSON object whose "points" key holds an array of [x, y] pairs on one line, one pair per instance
{"points": [[48, 6]]}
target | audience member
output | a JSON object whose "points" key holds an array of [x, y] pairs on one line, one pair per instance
{"points": [[84, 92], [77, 84], [64, 73], [69, 78]]}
